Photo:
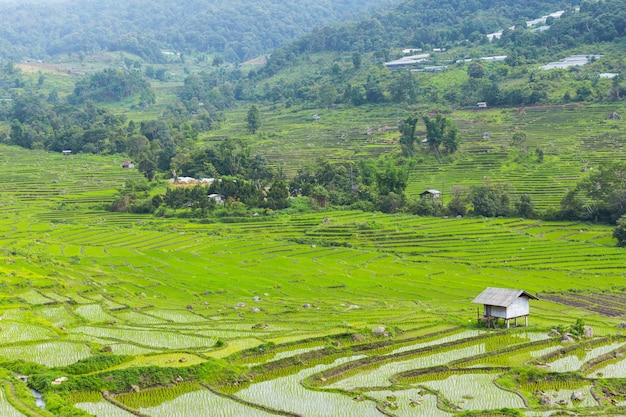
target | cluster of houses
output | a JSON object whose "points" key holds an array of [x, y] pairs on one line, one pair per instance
{"points": [[186, 181], [192, 181]]}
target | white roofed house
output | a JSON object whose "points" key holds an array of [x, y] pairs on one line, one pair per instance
{"points": [[218, 198], [505, 304], [431, 194]]}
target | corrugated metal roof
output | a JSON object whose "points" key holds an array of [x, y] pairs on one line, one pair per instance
{"points": [[501, 297]]}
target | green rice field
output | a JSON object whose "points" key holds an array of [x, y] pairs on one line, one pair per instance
{"points": [[276, 316]]}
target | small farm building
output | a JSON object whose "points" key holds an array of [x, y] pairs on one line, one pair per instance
{"points": [[407, 61], [66, 152], [218, 198], [431, 194], [481, 104], [128, 165], [505, 304]]}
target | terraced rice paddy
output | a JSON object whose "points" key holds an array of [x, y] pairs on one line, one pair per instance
{"points": [[475, 392], [6, 409], [103, 409], [380, 377], [286, 393], [49, 354], [289, 302], [411, 402], [574, 361], [573, 139], [617, 369]]}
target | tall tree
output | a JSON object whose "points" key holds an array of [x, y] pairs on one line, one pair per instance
{"points": [[475, 70], [356, 60], [606, 192], [327, 94], [278, 195], [519, 140], [619, 232], [525, 207], [451, 138], [441, 131], [253, 119], [403, 87], [490, 200], [407, 138]]}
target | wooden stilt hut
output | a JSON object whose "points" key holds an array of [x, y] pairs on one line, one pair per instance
{"points": [[503, 304]]}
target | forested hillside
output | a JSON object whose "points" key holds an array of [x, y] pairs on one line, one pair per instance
{"points": [[239, 29], [417, 23], [257, 126]]}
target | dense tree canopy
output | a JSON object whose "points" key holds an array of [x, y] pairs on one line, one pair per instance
{"points": [[238, 29], [110, 85], [599, 197], [420, 23]]}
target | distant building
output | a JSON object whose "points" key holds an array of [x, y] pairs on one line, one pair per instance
{"points": [[481, 104], [218, 198], [495, 35], [571, 61], [434, 68], [407, 61], [505, 304], [430, 194], [128, 165], [494, 58], [66, 152]]}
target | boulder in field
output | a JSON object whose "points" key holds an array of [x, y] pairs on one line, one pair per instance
{"points": [[380, 330], [554, 333], [358, 337]]}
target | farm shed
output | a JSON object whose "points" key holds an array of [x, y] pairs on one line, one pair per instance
{"points": [[128, 165], [505, 304], [218, 198], [430, 194]]}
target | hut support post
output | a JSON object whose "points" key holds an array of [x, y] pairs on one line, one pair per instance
{"points": [[526, 320]]}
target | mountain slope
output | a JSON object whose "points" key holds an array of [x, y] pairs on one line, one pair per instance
{"points": [[240, 29], [418, 22]]}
